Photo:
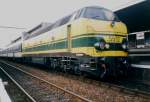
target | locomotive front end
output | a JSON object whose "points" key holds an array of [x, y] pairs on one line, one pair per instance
{"points": [[106, 43]]}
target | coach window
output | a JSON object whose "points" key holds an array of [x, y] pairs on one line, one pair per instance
{"points": [[147, 39]]}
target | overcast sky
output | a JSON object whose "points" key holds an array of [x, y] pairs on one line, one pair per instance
{"points": [[29, 13]]}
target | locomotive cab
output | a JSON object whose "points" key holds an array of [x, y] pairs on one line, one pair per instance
{"points": [[103, 43]]}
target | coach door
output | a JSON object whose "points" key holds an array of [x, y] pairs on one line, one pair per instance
{"points": [[69, 37]]}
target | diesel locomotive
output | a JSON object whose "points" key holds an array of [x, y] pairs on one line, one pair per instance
{"points": [[91, 40]]}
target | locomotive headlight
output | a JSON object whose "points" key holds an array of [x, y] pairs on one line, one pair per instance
{"points": [[100, 45], [107, 46], [124, 46]]}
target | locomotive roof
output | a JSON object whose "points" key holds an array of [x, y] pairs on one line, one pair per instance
{"points": [[93, 7], [39, 27], [15, 40], [44, 27]]}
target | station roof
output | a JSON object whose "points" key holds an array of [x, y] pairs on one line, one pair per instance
{"points": [[136, 17]]}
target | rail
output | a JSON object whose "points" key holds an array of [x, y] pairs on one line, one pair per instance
{"points": [[32, 99], [51, 84]]}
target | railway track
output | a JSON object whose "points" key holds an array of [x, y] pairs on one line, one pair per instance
{"points": [[129, 86], [40, 89], [128, 89], [137, 87], [110, 85], [125, 86], [15, 91]]}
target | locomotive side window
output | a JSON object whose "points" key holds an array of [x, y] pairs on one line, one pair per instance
{"points": [[78, 14], [110, 16], [147, 39]]}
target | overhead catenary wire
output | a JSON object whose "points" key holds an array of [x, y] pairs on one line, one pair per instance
{"points": [[11, 27]]}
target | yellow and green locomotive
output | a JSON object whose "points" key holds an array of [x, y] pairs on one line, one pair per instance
{"points": [[91, 40]]}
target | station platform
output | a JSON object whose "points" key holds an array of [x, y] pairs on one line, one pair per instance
{"points": [[4, 97]]}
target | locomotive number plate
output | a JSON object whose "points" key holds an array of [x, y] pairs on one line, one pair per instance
{"points": [[114, 39]]}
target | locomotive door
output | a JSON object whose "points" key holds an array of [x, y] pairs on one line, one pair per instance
{"points": [[69, 37]]}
